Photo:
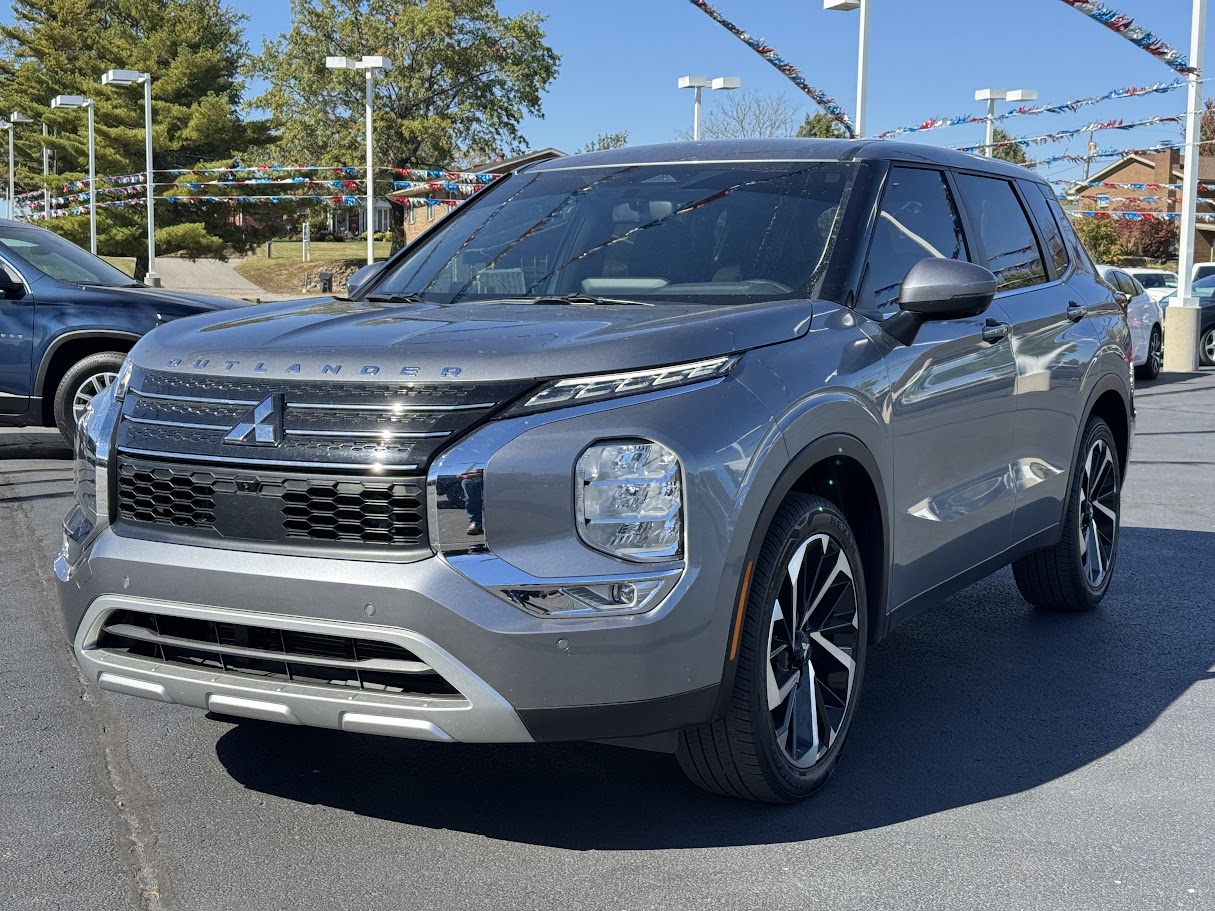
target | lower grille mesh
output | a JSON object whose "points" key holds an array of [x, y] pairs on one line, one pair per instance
{"points": [[275, 507], [289, 655]]}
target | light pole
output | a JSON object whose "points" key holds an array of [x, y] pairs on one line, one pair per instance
{"points": [[862, 55], [370, 66], [11, 125], [1181, 318], [991, 96], [76, 101], [702, 82], [134, 77]]}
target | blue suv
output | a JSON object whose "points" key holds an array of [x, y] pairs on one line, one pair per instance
{"points": [[67, 320]]}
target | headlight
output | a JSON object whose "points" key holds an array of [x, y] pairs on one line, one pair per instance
{"points": [[123, 381], [630, 500], [585, 389]]}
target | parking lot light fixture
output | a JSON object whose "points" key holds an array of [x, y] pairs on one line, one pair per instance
{"points": [[134, 77], [370, 66], [862, 54], [11, 125], [991, 96], [77, 101], [703, 82]]}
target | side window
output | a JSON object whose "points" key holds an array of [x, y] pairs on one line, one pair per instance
{"points": [[1012, 249], [1042, 204], [918, 220], [11, 286]]}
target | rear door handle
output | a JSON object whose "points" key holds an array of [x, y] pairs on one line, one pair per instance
{"points": [[1076, 312], [995, 330]]}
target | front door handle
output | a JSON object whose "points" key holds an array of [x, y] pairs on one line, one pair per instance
{"points": [[1076, 312], [995, 330]]}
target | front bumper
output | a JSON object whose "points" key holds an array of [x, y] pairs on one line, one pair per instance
{"points": [[535, 679]]}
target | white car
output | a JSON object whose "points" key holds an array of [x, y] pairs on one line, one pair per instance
{"points": [[1146, 318], [1158, 283]]}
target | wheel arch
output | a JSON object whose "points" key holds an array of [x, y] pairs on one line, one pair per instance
{"points": [[839, 468], [1110, 401], [66, 350]]}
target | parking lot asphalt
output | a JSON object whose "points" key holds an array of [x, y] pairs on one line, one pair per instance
{"points": [[1001, 759]]}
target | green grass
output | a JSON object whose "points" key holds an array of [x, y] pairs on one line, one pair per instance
{"points": [[289, 250], [284, 272], [125, 263]]}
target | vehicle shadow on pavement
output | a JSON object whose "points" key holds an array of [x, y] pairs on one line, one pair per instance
{"points": [[28, 446], [978, 699]]}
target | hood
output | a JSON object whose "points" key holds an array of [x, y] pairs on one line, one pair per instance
{"points": [[179, 301], [364, 340]]}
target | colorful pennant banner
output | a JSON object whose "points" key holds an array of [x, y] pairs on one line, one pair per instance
{"points": [[1142, 216], [1094, 127], [1125, 26], [821, 98], [937, 123]]}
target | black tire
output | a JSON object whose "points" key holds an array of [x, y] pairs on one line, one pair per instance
{"points": [[744, 754], [1065, 577], [1206, 347], [1155, 358], [79, 375]]}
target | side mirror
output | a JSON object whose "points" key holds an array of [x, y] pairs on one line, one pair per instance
{"points": [[939, 289], [362, 277]]}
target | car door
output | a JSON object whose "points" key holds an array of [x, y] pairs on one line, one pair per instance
{"points": [[950, 404], [1052, 343], [1140, 314], [16, 340]]}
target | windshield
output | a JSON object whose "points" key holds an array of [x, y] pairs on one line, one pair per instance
{"points": [[727, 232], [52, 255]]}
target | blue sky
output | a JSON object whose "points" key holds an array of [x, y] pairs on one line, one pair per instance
{"points": [[621, 59]]}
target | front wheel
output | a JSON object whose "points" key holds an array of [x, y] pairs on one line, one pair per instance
{"points": [[801, 659], [85, 379], [1075, 574], [1206, 347], [1152, 365]]}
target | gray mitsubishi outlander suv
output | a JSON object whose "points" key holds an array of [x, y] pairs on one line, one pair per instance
{"points": [[646, 446]]}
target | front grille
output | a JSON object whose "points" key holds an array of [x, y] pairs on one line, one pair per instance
{"points": [[380, 426], [275, 507], [275, 654]]}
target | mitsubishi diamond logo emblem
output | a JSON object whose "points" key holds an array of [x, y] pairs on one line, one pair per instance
{"points": [[261, 425]]}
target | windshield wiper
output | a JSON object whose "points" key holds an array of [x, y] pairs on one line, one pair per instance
{"points": [[586, 299], [396, 298]]}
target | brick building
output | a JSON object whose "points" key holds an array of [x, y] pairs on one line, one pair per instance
{"points": [[1161, 167]]}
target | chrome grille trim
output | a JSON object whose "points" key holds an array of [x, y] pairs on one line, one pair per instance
{"points": [[189, 426], [235, 460], [367, 434], [394, 409], [190, 398]]}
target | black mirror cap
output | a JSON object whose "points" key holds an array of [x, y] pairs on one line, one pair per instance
{"points": [[938, 289]]}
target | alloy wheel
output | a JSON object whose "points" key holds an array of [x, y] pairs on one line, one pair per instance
{"points": [[1098, 513], [88, 389], [1156, 353], [812, 650], [1208, 345]]}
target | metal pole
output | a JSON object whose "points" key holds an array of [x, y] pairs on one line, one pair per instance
{"points": [[370, 181], [1181, 317], [862, 67], [92, 184], [151, 277], [46, 170], [696, 116], [12, 187], [991, 128]]}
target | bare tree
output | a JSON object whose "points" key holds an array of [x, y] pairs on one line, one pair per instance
{"points": [[748, 115]]}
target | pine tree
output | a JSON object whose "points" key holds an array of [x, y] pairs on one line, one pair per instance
{"points": [[192, 48]]}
